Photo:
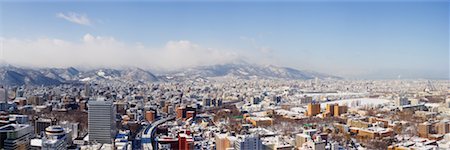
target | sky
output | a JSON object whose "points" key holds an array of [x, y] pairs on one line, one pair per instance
{"points": [[370, 39]]}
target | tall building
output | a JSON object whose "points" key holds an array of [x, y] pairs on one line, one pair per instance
{"points": [[306, 100], [402, 101], [150, 115], [3, 95], [248, 142], [87, 90], [180, 112], [35, 100], [313, 109], [339, 110], [55, 138], [219, 102], [222, 141], [335, 110], [443, 127], [101, 121], [330, 109], [70, 128], [185, 142], [300, 139], [15, 137], [41, 124], [424, 129], [121, 107], [206, 102]]}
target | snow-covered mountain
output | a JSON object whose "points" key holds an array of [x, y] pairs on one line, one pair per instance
{"points": [[10, 75], [244, 70], [138, 74]]}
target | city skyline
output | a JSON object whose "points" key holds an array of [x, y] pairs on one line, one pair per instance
{"points": [[348, 39], [224, 75]]}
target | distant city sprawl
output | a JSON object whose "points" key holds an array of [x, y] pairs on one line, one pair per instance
{"points": [[101, 111], [224, 75]]}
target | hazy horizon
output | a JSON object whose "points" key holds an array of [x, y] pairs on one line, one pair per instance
{"points": [[348, 39]]}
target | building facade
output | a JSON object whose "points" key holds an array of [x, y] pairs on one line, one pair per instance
{"points": [[101, 121]]}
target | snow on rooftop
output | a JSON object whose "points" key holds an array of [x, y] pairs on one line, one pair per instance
{"points": [[361, 101], [85, 79], [36, 142], [335, 94]]}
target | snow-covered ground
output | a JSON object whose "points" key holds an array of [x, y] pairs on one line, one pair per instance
{"points": [[358, 102], [336, 94]]}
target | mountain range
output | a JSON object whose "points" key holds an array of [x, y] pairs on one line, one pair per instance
{"points": [[244, 70], [14, 76]]}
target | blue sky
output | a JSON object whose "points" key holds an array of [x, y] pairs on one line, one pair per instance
{"points": [[351, 39]]}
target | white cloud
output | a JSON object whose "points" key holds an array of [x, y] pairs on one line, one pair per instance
{"points": [[265, 50], [100, 51], [81, 19], [182, 44], [178, 54]]}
